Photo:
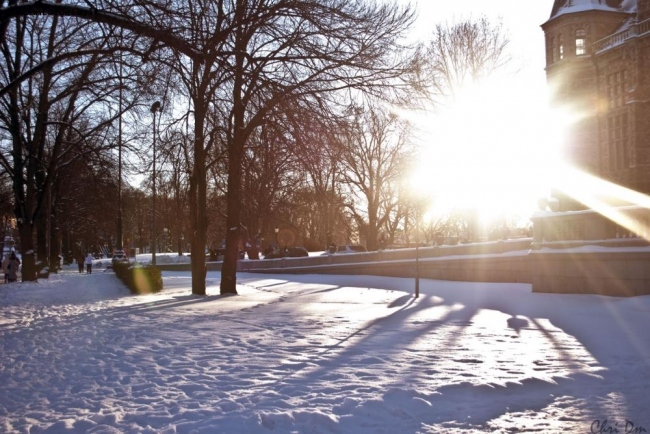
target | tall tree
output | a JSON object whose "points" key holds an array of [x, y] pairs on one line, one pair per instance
{"points": [[258, 54], [377, 149], [37, 119], [461, 53], [62, 108], [458, 57], [291, 49]]}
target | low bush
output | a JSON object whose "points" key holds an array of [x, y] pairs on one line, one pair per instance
{"points": [[140, 279]]}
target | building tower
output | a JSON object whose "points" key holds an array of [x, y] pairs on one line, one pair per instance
{"points": [[598, 68]]}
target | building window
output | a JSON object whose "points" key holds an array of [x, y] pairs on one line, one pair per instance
{"points": [[581, 43], [618, 141], [553, 51], [560, 47], [643, 157], [617, 88]]}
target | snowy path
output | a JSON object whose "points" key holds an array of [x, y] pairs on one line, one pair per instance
{"points": [[318, 354]]}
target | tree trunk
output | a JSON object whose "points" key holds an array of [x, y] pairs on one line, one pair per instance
{"points": [[55, 245], [235, 154], [233, 200], [42, 222], [372, 229], [27, 250], [198, 198]]}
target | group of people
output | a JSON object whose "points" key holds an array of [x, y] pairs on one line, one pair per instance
{"points": [[87, 261], [10, 267]]}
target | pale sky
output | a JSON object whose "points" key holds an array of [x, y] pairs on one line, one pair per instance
{"points": [[522, 15]]}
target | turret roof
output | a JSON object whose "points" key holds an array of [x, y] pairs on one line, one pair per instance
{"points": [[561, 7]]}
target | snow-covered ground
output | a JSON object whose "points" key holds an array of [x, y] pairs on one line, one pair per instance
{"points": [[319, 354]]}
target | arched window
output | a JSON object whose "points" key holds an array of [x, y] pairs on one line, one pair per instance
{"points": [[581, 42]]}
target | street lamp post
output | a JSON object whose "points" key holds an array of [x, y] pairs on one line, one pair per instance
{"points": [[417, 255], [277, 240], [119, 244], [155, 107], [180, 245], [418, 200]]}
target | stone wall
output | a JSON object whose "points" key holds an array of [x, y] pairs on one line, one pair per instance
{"points": [[579, 252], [621, 274]]}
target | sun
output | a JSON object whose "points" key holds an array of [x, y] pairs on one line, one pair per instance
{"points": [[494, 150]]}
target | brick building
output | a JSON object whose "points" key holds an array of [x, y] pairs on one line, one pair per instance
{"points": [[598, 67]]}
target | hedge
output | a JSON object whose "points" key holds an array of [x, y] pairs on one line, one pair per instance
{"points": [[140, 279]]}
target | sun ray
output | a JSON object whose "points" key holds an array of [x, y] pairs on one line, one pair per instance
{"points": [[607, 198]]}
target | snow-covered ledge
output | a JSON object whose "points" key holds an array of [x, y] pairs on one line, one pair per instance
{"points": [[587, 252], [578, 228]]}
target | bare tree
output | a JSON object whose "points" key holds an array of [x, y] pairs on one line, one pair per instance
{"points": [[242, 59], [48, 120], [310, 138], [271, 171], [459, 56], [291, 49], [67, 108], [462, 53], [376, 152]]}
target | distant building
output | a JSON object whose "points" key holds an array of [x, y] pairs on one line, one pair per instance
{"points": [[598, 67]]}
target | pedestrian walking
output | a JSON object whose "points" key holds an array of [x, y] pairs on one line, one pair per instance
{"points": [[80, 262], [89, 263], [5, 268], [12, 267]]}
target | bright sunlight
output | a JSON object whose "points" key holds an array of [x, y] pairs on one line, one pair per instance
{"points": [[610, 200], [494, 150]]}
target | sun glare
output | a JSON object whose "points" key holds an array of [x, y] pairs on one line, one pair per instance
{"points": [[608, 199], [494, 151]]}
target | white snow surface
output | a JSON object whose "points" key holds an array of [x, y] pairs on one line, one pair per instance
{"points": [[318, 354]]}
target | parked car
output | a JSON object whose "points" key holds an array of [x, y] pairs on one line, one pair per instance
{"points": [[287, 252], [215, 254], [347, 248], [119, 256]]}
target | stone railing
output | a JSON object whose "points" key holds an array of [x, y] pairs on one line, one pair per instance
{"points": [[500, 261], [385, 256], [611, 41], [635, 29]]}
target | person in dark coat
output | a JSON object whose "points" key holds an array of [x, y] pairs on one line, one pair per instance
{"points": [[5, 268], [13, 267]]}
